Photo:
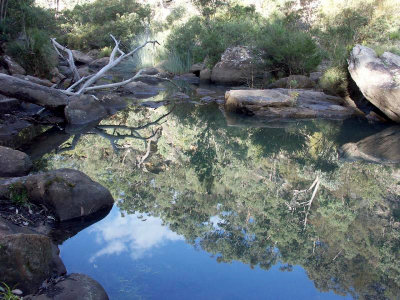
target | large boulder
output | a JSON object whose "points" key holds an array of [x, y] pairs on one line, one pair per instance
{"points": [[99, 63], [26, 260], [14, 163], [84, 109], [81, 57], [68, 193], [8, 105], [36, 80], [74, 286], [377, 78], [287, 104], [382, 147], [235, 67], [293, 81]]}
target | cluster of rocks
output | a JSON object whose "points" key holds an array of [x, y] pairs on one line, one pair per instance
{"points": [[299, 96], [29, 253]]}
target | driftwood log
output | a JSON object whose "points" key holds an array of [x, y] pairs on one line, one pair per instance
{"points": [[31, 92]]}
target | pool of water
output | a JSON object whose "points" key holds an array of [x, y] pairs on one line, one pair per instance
{"points": [[211, 206]]}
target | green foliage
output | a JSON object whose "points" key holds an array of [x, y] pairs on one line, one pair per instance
{"points": [[105, 52], [35, 53], [287, 49], [334, 81], [90, 25], [18, 194], [7, 294], [173, 63]]}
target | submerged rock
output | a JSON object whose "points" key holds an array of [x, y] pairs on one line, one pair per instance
{"points": [[377, 78], [26, 260], [188, 77], [74, 286], [84, 109], [13, 163], [287, 104], [141, 90], [382, 147]]}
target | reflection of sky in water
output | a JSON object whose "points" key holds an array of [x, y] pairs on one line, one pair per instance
{"points": [[138, 258], [134, 234]]}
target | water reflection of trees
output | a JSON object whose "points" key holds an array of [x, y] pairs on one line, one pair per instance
{"points": [[225, 189]]}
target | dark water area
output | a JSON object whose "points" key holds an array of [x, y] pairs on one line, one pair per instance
{"points": [[216, 206]]}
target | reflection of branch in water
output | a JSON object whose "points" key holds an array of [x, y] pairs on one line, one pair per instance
{"points": [[115, 136], [294, 204]]}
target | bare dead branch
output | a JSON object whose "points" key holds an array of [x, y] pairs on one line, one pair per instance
{"points": [[70, 58]]}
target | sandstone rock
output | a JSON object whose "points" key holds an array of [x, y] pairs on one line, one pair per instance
{"points": [[294, 82], [141, 90], [65, 70], [36, 80], [382, 147], [13, 162], [68, 193], [180, 96], [75, 286], [377, 78], [235, 66], [56, 76], [205, 75], [196, 68], [26, 260], [12, 66], [84, 71], [84, 109], [99, 63], [287, 104], [81, 57]]}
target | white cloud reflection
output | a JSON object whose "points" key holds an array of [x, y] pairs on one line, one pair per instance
{"points": [[131, 234]]}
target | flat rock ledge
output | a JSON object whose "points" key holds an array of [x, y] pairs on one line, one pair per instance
{"points": [[290, 104]]}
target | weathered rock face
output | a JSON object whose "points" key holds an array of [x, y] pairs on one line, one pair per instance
{"points": [[12, 66], [99, 63], [13, 163], [235, 66], [31, 92], [205, 75], [188, 77], [377, 78], [69, 194], [293, 81], [8, 105], [75, 286], [382, 147], [84, 109], [287, 104], [26, 260], [150, 71], [81, 57]]}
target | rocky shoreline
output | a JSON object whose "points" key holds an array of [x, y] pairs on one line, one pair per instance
{"points": [[37, 213]]}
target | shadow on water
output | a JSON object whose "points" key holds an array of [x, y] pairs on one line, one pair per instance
{"points": [[227, 185]]}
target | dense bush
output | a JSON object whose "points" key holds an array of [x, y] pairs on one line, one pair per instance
{"points": [[287, 50], [34, 52], [89, 25]]}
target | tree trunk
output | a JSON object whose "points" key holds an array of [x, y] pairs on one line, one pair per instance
{"points": [[30, 92]]}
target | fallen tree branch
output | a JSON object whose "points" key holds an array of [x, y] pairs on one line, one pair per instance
{"points": [[70, 58]]}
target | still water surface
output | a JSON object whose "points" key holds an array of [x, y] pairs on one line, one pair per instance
{"points": [[213, 207]]}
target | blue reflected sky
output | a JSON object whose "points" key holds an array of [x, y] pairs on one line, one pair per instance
{"points": [[136, 257]]}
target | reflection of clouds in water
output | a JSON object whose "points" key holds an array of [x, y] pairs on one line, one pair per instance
{"points": [[120, 234]]}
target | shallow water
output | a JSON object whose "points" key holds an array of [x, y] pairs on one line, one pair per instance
{"points": [[211, 211]]}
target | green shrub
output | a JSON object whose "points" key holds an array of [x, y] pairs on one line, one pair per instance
{"points": [[334, 81], [34, 52], [175, 64], [105, 52], [287, 49], [89, 25]]}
